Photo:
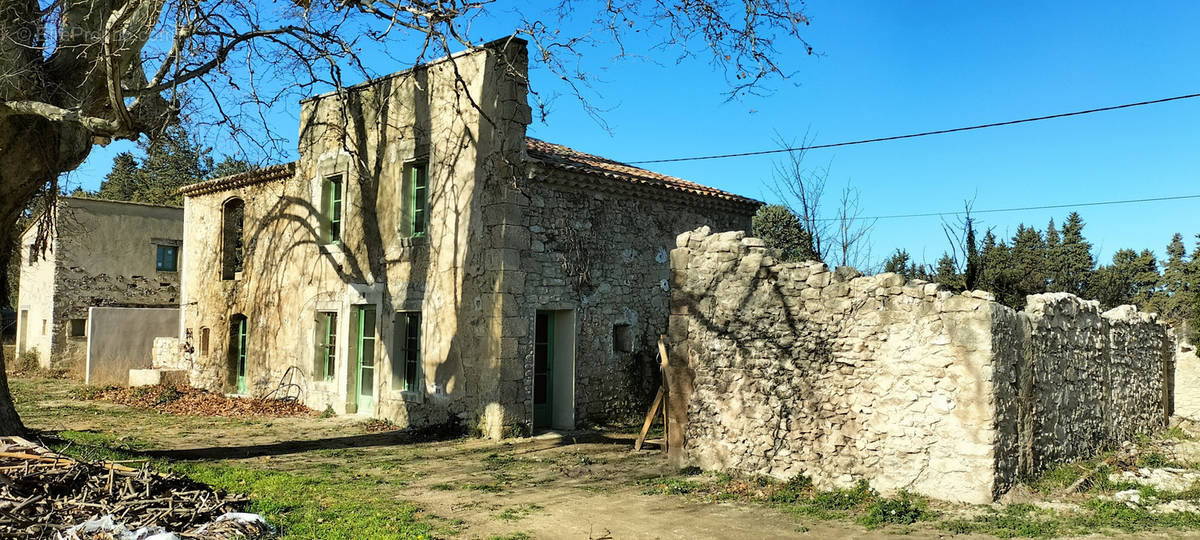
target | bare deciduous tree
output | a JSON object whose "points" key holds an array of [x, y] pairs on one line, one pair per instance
{"points": [[80, 73], [840, 238]]}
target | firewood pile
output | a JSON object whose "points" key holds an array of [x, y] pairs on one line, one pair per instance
{"points": [[43, 494]]}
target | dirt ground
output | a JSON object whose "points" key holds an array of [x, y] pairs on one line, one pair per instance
{"points": [[554, 486], [585, 485]]}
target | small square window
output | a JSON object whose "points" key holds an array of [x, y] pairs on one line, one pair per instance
{"points": [[78, 327], [622, 338], [166, 258]]}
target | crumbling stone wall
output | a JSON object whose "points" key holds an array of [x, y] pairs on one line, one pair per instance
{"points": [[1097, 377], [791, 368]]}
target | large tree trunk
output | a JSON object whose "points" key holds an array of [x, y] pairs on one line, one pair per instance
{"points": [[33, 152], [10, 423]]}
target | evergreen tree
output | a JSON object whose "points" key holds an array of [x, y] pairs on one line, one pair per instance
{"points": [[780, 229], [1073, 259], [1174, 299], [1027, 263], [1132, 278], [947, 273], [1054, 257], [229, 166], [901, 263], [169, 162]]}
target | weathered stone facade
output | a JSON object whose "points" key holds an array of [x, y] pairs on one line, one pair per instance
{"points": [[517, 228], [101, 254], [790, 368]]}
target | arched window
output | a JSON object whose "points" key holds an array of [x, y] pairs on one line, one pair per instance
{"points": [[233, 214]]}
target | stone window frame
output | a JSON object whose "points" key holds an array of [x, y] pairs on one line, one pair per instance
{"points": [[326, 169]]}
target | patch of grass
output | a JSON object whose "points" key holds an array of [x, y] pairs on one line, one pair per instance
{"points": [[309, 507], [1176, 433], [495, 461], [92, 446], [1013, 521], [488, 487], [516, 513], [91, 392], [793, 490], [513, 536], [328, 412], [905, 509], [673, 485], [843, 499], [442, 486]]}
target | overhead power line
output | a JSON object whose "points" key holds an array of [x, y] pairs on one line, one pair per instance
{"points": [[1022, 208], [913, 135]]}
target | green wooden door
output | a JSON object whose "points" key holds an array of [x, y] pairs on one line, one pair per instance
{"points": [[365, 383], [543, 371], [240, 359]]}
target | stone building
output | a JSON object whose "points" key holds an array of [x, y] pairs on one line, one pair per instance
{"points": [[424, 261], [100, 253]]}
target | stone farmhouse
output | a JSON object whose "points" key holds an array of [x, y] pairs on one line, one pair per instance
{"points": [[100, 254], [425, 261]]}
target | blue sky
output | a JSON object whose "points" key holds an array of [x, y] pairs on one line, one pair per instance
{"points": [[888, 68]]}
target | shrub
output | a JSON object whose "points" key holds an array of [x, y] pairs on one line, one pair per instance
{"points": [[902, 510]]}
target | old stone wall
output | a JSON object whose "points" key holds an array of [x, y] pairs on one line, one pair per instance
{"points": [[791, 368], [605, 255], [1096, 377]]}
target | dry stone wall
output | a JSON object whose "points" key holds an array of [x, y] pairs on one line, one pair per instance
{"points": [[793, 368]]}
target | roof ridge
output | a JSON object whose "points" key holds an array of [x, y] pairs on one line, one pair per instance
{"points": [[568, 158]]}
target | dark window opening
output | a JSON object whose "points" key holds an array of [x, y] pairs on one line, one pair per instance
{"points": [[622, 338], [406, 361], [204, 341], [232, 241], [78, 327]]}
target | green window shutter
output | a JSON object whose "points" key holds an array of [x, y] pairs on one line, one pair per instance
{"points": [[329, 347], [365, 384], [333, 190], [420, 199], [406, 362], [242, 387]]}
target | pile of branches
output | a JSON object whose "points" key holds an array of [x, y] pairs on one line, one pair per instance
{"points": [[43, 494], [195, 401]]}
